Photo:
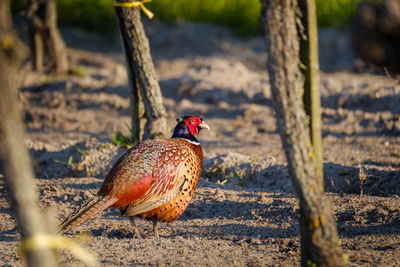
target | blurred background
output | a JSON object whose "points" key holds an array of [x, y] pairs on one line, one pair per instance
{"points": [[242, 16], [373, 24], [210, 59]]}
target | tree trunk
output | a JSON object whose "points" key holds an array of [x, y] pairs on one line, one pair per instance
{"points": [[138, 111], [44, 33], [319, 240], [14, 158], [142, 74], [36, 46], [312, 98]]}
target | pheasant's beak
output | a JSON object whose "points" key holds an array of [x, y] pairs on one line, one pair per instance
{"points": [[203, 125]]}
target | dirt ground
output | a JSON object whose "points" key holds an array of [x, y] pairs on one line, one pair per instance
{"points": [[244, 212]]}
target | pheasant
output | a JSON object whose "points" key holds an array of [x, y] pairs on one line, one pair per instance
{"points": [[155, 179]]}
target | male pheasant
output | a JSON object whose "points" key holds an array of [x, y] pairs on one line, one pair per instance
{"points": [[155, 179]]}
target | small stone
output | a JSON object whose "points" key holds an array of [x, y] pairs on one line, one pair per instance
{"points": [[255, 241]]}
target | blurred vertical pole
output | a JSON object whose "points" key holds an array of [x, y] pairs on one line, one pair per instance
{"points": [[146, 92], [45, 38], [14, 158], [319, 239], [35, 40], [312, 98]]}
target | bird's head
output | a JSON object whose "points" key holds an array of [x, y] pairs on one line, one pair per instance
{"points": [[189, 126]]}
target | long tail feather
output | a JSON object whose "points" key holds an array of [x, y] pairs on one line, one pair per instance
{"points": [[92, 207]]}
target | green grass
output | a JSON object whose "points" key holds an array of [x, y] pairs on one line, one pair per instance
{"points": [[335, 13], [122, 140], [242, 16], [93, 15], [78, 71], [125, 141]]}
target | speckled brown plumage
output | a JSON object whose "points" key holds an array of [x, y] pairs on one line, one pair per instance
{"points": [[155, 179], [190, 172]]}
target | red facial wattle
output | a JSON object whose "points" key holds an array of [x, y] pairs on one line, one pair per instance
{"points": [[192, 124]]}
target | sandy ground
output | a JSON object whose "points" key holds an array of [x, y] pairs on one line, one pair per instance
{"points": [[244, 211]]}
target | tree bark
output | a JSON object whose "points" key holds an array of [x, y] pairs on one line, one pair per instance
{"points": [[45, 36], [143, 79], [312, 98], [319, 240], [14, 158]]}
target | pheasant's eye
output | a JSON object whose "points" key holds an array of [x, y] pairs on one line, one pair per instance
{"points": [[191, 122]]}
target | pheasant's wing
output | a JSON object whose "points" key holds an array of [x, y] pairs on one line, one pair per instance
{"points": [[169, 178], [131, 177]]}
